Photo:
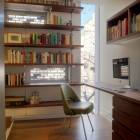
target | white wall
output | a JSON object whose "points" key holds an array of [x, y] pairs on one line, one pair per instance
{"points": [[108, 52]]}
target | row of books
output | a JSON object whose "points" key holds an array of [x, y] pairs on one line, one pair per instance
{"points": [[57, 20], [53, 2], [119, 30], [24, 57], [50, 38], [135, 27], [14, 79]]}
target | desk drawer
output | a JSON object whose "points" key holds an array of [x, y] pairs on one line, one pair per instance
{"points": [[127, 107], [122, 105], [115, 136], [123, 132], [128, 121]]}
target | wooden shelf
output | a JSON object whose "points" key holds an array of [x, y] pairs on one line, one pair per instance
{"points": [[41, 7], [43, 26], [42, 45], [119, 27], [43, 104], [75, 64], [125, 39], [43, 85]]}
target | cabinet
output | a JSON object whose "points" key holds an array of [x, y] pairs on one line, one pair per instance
{"points": [[13, 68], [125, 25], [125, 119]]}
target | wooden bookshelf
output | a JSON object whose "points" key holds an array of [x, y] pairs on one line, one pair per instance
{"points": [[43, 85], [41, 7], [11, 45], [28, 64], [125, 39], [42, 104], [125, 25], [43, 26]]}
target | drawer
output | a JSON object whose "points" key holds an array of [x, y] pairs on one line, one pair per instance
{"points": [[128, 121], [115, 136], [126, 106], [123, 132], [122, 105]]}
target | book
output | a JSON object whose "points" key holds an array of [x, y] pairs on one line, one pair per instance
{"points": [[133, 27]]}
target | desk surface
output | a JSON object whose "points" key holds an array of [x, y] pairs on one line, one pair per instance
{"points": [[128, 94]]}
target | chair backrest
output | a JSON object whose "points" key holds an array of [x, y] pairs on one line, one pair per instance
{"points": [[68, 93]]}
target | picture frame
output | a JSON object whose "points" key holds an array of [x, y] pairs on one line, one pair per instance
{"points": [[14, 38]]}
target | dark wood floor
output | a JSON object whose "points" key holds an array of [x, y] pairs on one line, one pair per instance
{"points": [[50, 129]]}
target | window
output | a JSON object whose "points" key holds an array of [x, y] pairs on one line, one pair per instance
{"points": [[88, 51]]}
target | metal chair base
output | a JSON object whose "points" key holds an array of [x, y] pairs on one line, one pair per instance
{"points": [[82, 123]]}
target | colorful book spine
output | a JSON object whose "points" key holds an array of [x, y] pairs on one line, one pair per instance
{"points": [[119, 30], [14, 79]]}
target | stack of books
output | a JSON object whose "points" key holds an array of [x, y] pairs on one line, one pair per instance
{"points": [[14, 101]]}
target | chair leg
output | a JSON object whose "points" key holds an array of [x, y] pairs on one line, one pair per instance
{"points": [[83, 126], [70, 122], [63, 124], [90, 122]]}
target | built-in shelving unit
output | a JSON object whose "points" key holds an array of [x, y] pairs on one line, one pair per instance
{"points": [[125, 25], [41, 8]]}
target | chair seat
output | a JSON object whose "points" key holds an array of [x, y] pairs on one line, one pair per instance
{"points": [[81, 107]]}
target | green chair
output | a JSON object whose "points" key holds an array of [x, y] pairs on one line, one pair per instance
{"points": [[72, 105]]}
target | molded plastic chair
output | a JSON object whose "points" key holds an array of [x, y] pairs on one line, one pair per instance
{"points": [[75, 107]]}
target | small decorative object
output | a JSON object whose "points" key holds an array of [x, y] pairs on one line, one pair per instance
{"points": [[34, 99], [14, 38], [68, 23]]}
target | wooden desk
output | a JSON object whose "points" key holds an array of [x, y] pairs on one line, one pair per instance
{"points": [[126, 111]]}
